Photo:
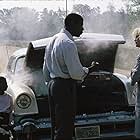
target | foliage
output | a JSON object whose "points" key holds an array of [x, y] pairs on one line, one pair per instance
{"points": [[110, 21], [133, 13], [29, 24], [50, 22]]}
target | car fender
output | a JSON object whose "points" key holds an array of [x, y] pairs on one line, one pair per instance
{"points": [[17, 89], [129, 88]]}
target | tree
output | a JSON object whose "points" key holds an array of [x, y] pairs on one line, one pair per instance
{"points": [[4, 23], [133, 11], [89, 14], [51, 22], [110, 21], [20, 23], [28, 24]]}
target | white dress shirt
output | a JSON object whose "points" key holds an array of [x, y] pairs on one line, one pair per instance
{"points": [[61, 58]]}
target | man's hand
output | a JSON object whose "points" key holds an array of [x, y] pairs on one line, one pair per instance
{"points": [[93, 67]]}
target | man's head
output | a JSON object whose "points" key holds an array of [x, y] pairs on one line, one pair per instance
{"points": [[3, 84], [74, 24]]}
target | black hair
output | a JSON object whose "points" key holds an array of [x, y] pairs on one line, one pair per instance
{"points": [[72, 19], [3, 83]]}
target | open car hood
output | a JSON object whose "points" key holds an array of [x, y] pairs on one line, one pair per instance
{"points": [[91, 47]]}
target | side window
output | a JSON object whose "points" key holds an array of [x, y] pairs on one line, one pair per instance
{"points": [[19, 64], [11, 64]]}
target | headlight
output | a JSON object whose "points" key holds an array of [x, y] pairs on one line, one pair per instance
{"points": [[23, 101]]}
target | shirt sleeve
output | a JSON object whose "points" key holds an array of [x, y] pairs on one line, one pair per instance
{"points": [[72, 61]]}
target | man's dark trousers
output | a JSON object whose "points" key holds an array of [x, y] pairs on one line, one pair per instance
{"points": [[63, 95]]}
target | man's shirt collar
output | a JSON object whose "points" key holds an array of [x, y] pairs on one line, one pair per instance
{"points": [[67, 33]]}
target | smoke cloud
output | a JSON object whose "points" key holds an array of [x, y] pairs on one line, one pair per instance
{"points": [[34, 79]]}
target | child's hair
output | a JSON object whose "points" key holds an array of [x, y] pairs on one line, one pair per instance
{"points": [[3, 83]]}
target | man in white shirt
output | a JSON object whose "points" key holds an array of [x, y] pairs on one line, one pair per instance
{"points": [[63, 67]]}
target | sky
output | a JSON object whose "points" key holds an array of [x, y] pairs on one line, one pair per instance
{"points": [[55, 4]]}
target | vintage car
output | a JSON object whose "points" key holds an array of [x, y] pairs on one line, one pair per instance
{"points": [[105, 101]]}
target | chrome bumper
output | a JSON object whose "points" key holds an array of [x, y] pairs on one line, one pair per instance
{"points": [[112, 125]]}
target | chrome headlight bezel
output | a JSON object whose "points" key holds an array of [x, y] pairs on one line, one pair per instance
{"points": [[23, 101]]}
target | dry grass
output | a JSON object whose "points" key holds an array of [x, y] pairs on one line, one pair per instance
{"points": [[6, 50]]}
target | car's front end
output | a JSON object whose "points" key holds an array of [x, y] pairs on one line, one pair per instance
{"points": [[110, 113]]}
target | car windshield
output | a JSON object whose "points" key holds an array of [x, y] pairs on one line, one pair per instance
{"points": [[19, 65]]}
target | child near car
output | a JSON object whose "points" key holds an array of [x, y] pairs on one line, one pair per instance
{"points": [[6, 107], [6, 102]]}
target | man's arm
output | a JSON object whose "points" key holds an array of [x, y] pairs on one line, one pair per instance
{"points": [[71, 57]]}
